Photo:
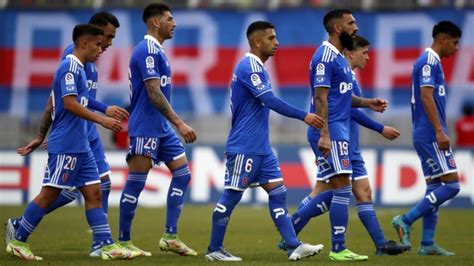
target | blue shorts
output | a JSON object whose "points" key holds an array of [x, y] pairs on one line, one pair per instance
{"points": [[337, 163], [71, 170], [435, 162], [358, 166], [99, 155], [242, 171], [165, 149]]}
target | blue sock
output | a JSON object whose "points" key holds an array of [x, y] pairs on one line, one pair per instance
{"points": [[178, 186], [128, 202], [105, 190], [221, 217], [64, 198], [100, 227], [279, 214], [305, 201], [432, 201], [339, 216], [315, 207], [368, 217], [431, 218], [30, 219]]}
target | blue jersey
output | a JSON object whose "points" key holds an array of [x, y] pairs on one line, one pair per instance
{"points": [[92, 76], [148, 61], [249, 131], [329, 68], [68, 132], [427, 72], [354, 131]]}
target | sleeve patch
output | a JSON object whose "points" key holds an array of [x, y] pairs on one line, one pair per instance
{"points": [[320, 69], [69, 79], [426, 71], [255, 79]]}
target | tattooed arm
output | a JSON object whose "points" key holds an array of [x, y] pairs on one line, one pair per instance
{"points": [[161, 103]]}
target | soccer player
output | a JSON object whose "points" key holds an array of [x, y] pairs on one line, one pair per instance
{"points": [[431, 140], [152, 139], [109, 24], [331, 83], [313, 206], [71, 164], [250, 159]]}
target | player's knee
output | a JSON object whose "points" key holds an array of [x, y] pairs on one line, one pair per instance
{"points": [[363, 194], [453, 188], [228, 200]]}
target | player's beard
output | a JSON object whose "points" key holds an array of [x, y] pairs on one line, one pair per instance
{"points": [[347, 41]]}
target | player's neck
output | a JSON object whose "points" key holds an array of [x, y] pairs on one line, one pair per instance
{"points": [[79, 56], [259, 55], [154, 34], [334, 40], [437, 49]]}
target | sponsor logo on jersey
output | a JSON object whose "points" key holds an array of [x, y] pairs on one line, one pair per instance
{"points": [[255, 79], [69, 79], [426, 71]]}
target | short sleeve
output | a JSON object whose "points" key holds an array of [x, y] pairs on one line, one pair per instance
{"points": [[427, 76], [256, 82], [322, 73], [148, 65], [69, 83]]}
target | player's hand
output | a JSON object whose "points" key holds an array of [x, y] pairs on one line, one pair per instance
{"points": [[186, 132], [378, 105], [35, 143], [390, 133], [314, 120], [111, 123], [324, 145], [116, 112], [443, 140]]}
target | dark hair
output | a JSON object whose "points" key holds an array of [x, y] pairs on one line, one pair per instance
{"points": [[103, 18], [259, 25], [85, 29], [154, 9], [333, 14], [447, 27], [360, 41]]}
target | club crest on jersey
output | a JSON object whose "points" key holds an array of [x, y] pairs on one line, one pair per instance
{"points": [[426, 71], [69, 79], [320, 69], [255, 79]]}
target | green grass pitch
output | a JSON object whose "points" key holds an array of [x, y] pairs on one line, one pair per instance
{"points": [[63, 238]]}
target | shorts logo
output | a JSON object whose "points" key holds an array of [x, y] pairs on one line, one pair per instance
{"points": [[452, 163], [256, 80], [245, 181], [426, 71], [345, 162], [69, 79], [65, 177], [320, 69]]}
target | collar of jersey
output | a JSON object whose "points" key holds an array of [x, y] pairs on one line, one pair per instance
{"points": [[73, 57], [429, 50], [254, 57], [153, 39], [332, 47]]}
